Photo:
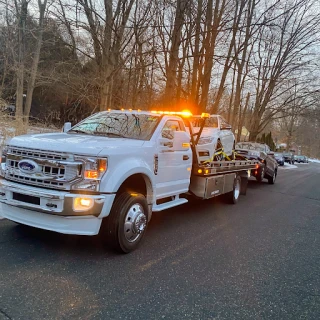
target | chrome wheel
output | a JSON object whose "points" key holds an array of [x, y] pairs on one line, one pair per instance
{"points": [[237, 187], [135, 223]]}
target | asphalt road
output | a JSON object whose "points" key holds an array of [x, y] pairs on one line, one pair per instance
{"points": [[259, 259]]}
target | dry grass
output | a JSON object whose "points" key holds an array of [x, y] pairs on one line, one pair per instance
{"points": [[9, 127]]}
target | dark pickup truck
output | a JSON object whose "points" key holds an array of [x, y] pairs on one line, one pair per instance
{"points": [[268, 167], [288, 157]]}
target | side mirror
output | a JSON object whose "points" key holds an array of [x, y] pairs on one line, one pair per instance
{"points": [[165, 145], [66, 127], [181, 141]]}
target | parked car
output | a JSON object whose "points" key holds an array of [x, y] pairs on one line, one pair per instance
{"points": [[216, 136], [301, 159], [279, 158], [288, 157], [268, 167]]}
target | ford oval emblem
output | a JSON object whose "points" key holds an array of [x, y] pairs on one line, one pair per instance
{"points": [[28, 166]]}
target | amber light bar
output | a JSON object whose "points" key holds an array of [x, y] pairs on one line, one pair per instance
{"points": [[185, 114]]}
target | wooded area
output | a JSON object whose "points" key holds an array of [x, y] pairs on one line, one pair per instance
{"points": [[254, 62]]}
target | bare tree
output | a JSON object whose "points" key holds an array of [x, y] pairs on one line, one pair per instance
{"points": [[35, 60], [21, 13]]}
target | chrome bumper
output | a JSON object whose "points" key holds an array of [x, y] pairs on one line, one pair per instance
{"points": [[53, 210]]}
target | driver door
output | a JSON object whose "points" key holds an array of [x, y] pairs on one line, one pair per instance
{"points": [[174, 167]]}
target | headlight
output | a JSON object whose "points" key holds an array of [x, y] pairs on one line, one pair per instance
{"points": [[93, 171], [205, 140], [3, 155]]}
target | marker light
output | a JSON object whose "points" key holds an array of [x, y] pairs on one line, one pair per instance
{"points": [[199, 170], [205, 115], [82, 204], [102, 165]]}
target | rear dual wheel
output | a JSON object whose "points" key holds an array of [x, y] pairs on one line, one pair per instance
{"points": [[233, 196]]}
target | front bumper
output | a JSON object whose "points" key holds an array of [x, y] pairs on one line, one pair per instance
{"points": [[53, 209]]}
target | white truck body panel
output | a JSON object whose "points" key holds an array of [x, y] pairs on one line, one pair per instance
{"points": [[165, 169], [80, 225]]}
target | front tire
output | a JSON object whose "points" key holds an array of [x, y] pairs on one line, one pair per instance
{"points": [[272, 180], [126, 225]]}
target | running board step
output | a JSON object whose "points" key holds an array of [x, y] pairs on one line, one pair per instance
{"points": [[167, 205]]}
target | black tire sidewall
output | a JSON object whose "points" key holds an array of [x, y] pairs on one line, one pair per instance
{"points": [[114, 224]]}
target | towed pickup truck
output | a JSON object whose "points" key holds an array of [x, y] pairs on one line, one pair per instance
{"points": [[109, 173]]}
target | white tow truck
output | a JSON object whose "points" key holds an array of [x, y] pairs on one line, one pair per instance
{"points": [[109, 173]]}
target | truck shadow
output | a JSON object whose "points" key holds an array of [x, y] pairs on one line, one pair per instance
{"points": [[185, 218]]}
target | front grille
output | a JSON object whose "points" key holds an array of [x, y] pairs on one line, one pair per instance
{"points": [[34, 181], [51, 172], [27, 153], [48, 170]]}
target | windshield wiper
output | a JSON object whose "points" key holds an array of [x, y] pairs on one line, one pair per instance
{"points": [[78, 131], [107, 134]]}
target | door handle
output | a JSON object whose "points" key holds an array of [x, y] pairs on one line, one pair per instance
{"points": [[185, 157]]}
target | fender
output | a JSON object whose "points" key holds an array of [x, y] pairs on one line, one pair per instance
{"points": [[118, 173]]}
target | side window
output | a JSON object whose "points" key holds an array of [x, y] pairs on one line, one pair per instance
{"points": [[224, 123], [212, 122], [169, 127]]}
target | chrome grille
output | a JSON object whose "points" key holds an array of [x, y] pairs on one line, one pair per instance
{"points": [[36, 154], [46, 170], [52, 171]]}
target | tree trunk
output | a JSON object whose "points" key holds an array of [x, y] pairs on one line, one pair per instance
{"points": [[22, 18], [35, 62], [170, 91], [196, 55], [210, 43]]}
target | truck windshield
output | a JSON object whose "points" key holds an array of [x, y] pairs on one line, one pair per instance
{"points": [[118, 125], [211, 122]]}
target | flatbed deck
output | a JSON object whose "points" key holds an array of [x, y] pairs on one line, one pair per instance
{"points": [[219, 167]]}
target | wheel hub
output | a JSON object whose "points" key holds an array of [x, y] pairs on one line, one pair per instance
{"points": [[135, 222], [140, 223]]}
